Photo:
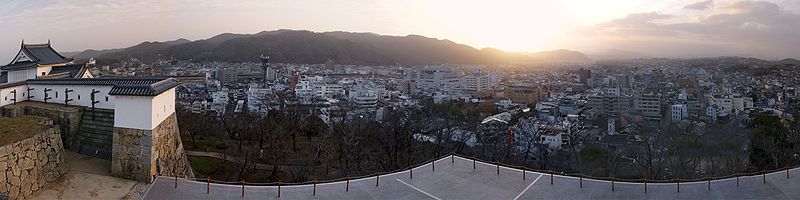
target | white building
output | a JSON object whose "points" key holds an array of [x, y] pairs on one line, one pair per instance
{"points": [[679, 112], [431, 79], [315, 86], [34, 61], [478, 82], [363, 95]]}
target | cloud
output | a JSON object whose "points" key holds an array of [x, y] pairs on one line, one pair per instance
{"points": [[702, 5], [751, 28]]}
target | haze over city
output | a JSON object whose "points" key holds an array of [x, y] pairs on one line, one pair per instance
{"points": [[399, 99], [654, 28]]}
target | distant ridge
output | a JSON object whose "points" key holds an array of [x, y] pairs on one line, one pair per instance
{"points": [[294, 46]]}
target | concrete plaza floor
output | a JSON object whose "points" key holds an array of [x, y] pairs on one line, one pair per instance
{"points": [[457, 179], [89, 178]]}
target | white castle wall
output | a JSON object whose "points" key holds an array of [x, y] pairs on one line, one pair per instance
{"points": [[144, 112], [137, 112]]}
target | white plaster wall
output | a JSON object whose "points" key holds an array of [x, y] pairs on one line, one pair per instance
{"points": [[46, 69], [163, 106], [21, 75], [84, 91], [138, 112], [6, 96], [134, 112]]}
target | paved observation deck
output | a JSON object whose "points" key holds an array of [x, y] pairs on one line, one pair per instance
{"points": [[454, 178]]}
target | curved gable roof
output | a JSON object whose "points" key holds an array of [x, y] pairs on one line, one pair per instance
{"points": [[44, 54]]}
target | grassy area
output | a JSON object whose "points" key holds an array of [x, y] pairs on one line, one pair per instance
{"points": [[13, 129], [221, 170]]}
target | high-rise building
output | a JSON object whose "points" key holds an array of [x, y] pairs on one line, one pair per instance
{"points": [[269, 73], [477, 82]]}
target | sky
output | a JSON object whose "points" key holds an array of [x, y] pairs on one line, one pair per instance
{"points": [[767, 29]]}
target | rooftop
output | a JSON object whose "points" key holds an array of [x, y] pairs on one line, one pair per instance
{"points": [[457, 179], [136, 86], [44, 54]]}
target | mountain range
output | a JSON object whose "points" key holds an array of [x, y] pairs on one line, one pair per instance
{"points": [[294, 46]]}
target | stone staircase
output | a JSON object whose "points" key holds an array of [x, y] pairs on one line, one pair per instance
{"points": [[95, 135]]}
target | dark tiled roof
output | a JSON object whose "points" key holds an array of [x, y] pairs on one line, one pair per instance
{"points": [[44, 54], [143, 86], [19, 65], [74, 71], [144, 90]]}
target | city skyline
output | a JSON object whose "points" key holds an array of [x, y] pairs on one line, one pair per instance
{"points": [[685, 28]]}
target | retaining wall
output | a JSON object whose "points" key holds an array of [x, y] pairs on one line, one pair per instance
{"points": [[140, 154], [28, 165]]}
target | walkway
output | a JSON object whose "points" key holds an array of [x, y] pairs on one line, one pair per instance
{"points": [[90, 178], [458, 180]]}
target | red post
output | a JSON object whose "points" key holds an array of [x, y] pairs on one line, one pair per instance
{"points": [[314, 193], [347, 185], [242, 188], [208, 185]]}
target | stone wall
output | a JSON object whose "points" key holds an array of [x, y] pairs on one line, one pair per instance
{"points": [[141, 154], [27, 166], [68, 118]]}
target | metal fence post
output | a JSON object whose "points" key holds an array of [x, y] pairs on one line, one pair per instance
{"points": [[787, 173], [523, 174], [314, 193], [709, 184], [645, 186], [208, 185], [411, 173], [433, 165], [347, 185], [613, 188], [679, 184], [473, 162], [737, 180], [176, 182], [452, 158], [580, 181], [498, 168], [279, 189], [242, 188], [377, 179], [551, 178], [764, 175]]}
